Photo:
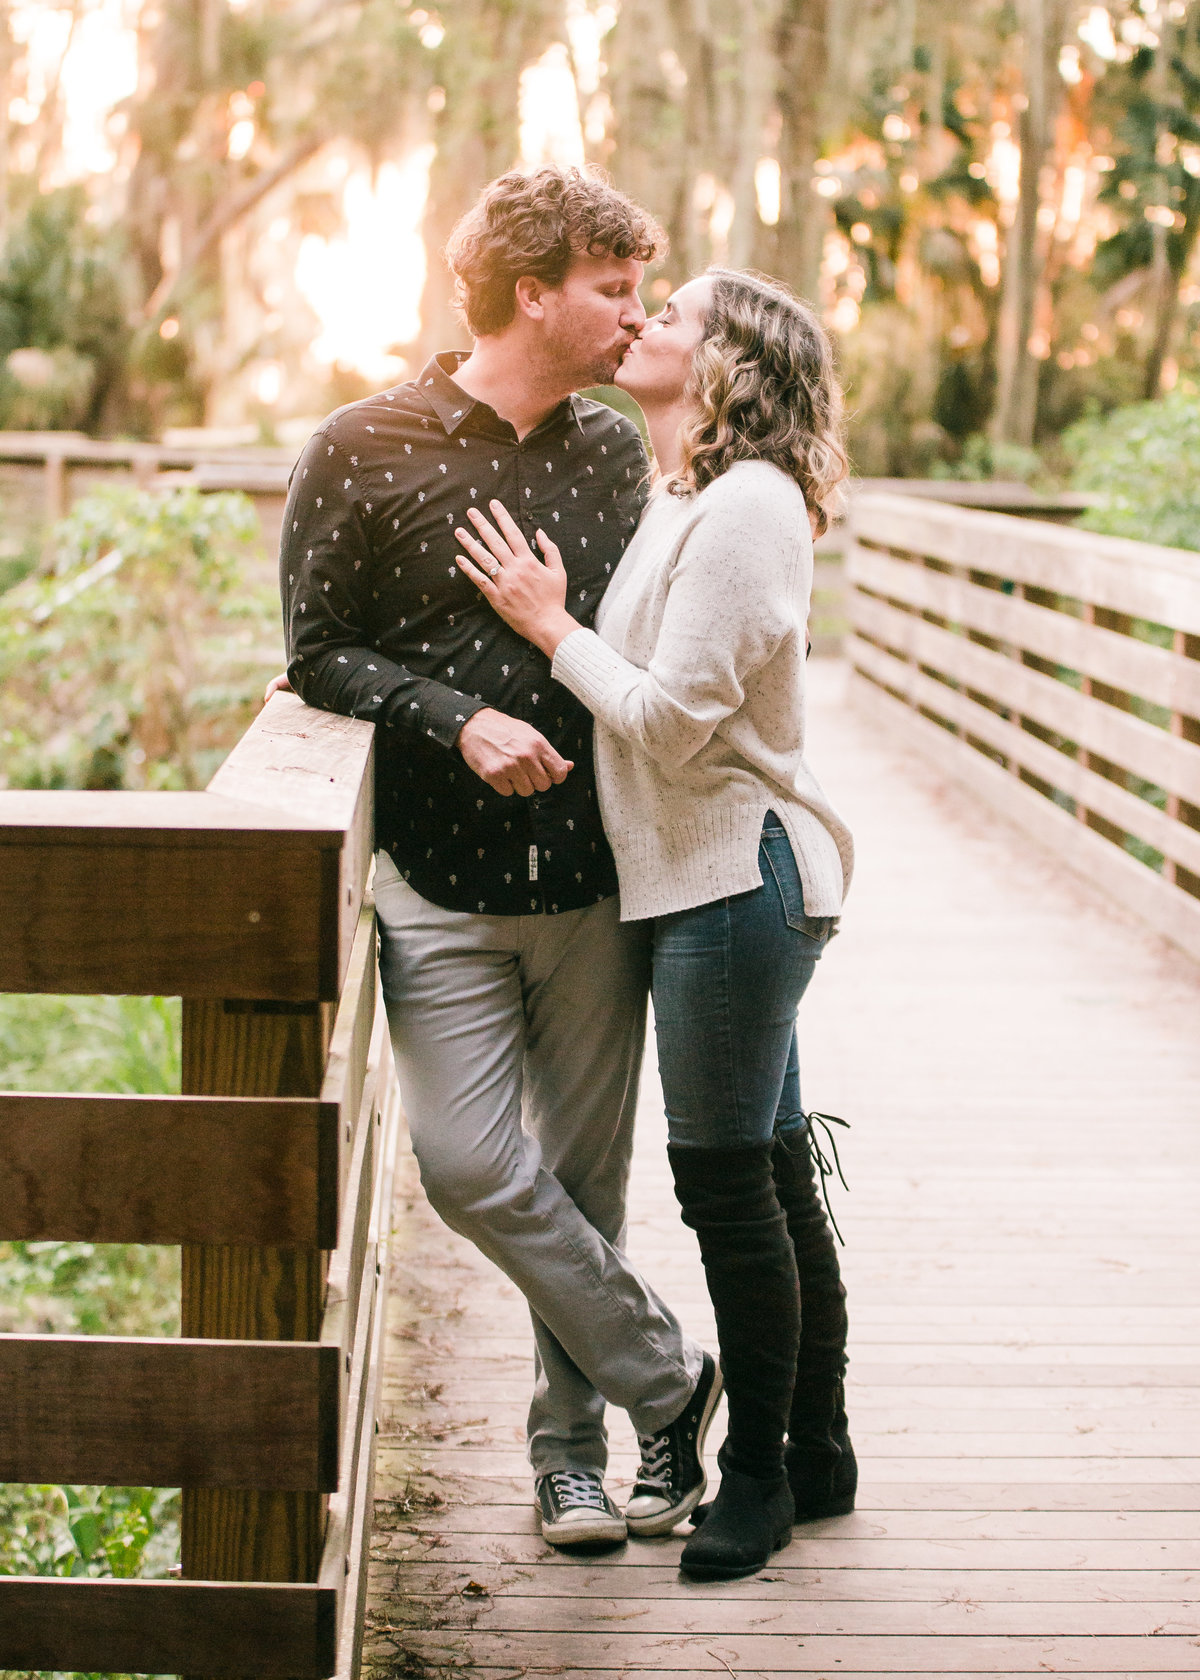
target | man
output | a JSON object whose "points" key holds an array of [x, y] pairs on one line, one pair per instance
{"points": [[511, 983]]}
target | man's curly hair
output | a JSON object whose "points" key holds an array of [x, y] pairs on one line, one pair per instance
{"points": [[537, 222]]}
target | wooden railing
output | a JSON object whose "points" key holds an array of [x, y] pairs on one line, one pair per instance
{"points": [[271, 1171], [1057, 672]]}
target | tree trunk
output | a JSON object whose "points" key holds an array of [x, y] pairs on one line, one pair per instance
{"points": [[646, 152], [1165, 275], [1015, 417], [792, 249], [476, 133]]}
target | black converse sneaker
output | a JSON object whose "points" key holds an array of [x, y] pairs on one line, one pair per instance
{"points": [[576, 1511], [672, 1480]]}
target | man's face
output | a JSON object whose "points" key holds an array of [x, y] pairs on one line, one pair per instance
{"points": [[593, 317]]}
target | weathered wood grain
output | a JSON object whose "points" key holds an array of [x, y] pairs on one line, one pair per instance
{"points": [[1161, 584], [315, 766], [1125, 740], [149, 1412], [164, 1627], [1158, 674], [270, 1293], [1129, 884], [222, 910], [130, 1169]]}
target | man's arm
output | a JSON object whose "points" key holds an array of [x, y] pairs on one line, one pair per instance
{"points": [[324, 574]]}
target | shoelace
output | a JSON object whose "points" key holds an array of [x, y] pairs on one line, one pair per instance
{"points": [[580, 1488], [655, 1473], [821, 1161]]}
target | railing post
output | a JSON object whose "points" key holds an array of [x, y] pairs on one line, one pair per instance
{"points": [[238, 1048]]}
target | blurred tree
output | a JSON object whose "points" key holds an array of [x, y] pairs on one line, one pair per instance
{"points": [[1038, 100], [64, 316], [476, 108], [1153, 193]]}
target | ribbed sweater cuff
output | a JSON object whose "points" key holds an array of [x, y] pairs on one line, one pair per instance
{"points": [[589, 668]]}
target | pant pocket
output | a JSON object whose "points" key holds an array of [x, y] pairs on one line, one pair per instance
{"points": [[776, 848]]}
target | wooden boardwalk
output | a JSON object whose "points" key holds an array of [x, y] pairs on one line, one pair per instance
{"points": [[1022, 1070]]}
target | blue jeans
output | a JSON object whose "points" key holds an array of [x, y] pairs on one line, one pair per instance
{"points": [[728, 978]]}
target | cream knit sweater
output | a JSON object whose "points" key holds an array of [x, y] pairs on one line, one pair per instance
{"points": [[695, 674]]}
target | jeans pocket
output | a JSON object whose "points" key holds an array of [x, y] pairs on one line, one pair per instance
{"points": [[777, 849]]}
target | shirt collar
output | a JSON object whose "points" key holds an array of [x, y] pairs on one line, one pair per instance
{"points": [[453, 406]]}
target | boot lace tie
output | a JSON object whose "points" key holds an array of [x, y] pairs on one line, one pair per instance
{"points": [[825, 1167]]}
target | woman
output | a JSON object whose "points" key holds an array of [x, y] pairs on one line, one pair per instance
{"points": [[695, 675]]}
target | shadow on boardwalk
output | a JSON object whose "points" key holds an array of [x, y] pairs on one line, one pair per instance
{"points": [[1022, 1070]]}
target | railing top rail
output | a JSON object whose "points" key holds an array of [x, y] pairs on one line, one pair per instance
{"points": [[74, 817], [77, 449], [1145, 579], [248, 890]]}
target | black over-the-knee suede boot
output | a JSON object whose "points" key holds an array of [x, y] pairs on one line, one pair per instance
{"points": [[728, 1198], [820, 1458]]}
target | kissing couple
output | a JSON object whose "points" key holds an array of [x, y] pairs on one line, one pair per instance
{"points": [[587, 678]]}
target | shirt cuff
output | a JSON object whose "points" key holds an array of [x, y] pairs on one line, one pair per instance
{"points": [[443, 716]]}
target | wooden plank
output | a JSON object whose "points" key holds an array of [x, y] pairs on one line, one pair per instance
{"points": [[609, 1578], [316, 765], [1124, 809], [133, 1169], [1167, 678], [259, 1293], [1124, 740], [151, 1412], [111, 917], [350, 1041], [166, 1627], [1161, 584], [198, 821], [699, 1613], [361, 1525], [158, 1625], [1163, 906], [741, 1652]]}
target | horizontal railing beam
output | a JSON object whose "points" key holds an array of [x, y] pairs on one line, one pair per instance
{"points": [[136, 1169], [1160, 584], [158, 1412], [1154, 673], [218, 1628]]}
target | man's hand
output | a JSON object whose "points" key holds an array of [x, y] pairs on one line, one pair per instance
{"points": [[510, 756]]}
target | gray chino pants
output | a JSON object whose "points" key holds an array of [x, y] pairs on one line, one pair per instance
{"points": [[518, 1044]]}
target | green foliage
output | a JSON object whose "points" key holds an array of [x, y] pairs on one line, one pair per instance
{"points": [[88, 1531], [88, 1044], [64, 332], [137, 659], [986, 458], [1143, 462]]}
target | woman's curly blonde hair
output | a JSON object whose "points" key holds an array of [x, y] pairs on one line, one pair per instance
{"points": [[763, 388]]}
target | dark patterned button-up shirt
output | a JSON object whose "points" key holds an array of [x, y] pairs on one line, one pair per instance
{"points": [[381, 624]]}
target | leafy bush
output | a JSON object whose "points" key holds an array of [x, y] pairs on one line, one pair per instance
{"points": [[137, 659], [87, 1531], [985, 458], [1143, 462], [64, 315]]}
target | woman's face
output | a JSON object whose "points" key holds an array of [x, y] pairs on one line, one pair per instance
{"points": [[656, 366]]}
